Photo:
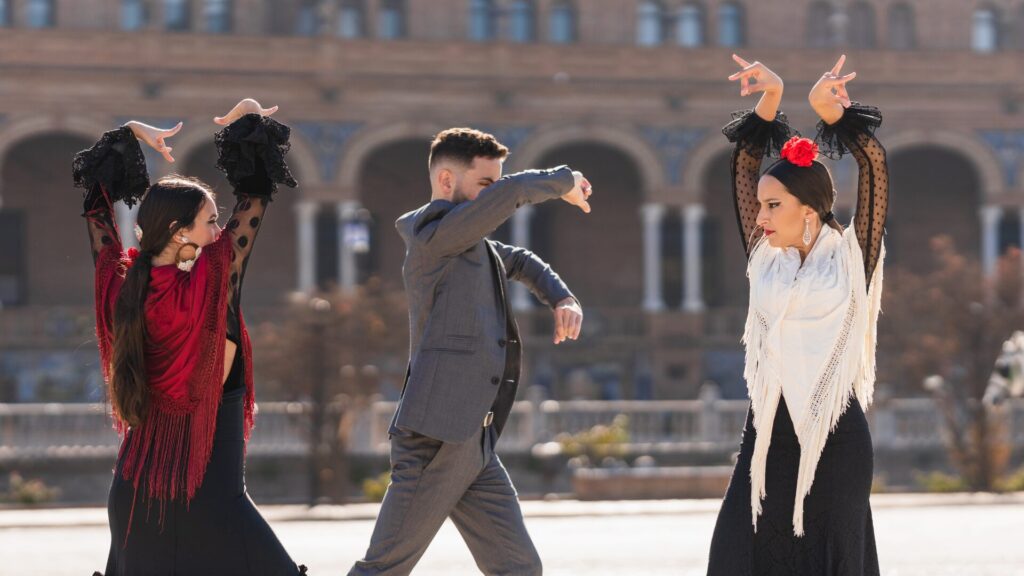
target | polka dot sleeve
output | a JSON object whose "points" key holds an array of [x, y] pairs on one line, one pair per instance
{"points": [[854, 134], [251, 154], [754, 138]]}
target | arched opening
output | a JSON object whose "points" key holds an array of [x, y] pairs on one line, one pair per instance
{"points": [[933, 191], [45, 257], [570, 240], [393, 180]]}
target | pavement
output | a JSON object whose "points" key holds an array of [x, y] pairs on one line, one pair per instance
{"points": [[917, 534]]}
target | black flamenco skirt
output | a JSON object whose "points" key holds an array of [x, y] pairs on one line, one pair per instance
{"points": [[221, 532], [839, 539]]}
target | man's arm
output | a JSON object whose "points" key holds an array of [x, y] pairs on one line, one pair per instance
{"points": [[469, 222], [537, 275], [527, 268]]}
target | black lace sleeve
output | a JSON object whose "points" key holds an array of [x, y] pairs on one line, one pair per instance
{"points": [[251, 154], [854, 134], [754, 138], [113, 169]]}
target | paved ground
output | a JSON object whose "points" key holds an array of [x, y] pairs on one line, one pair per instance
{"points": [[917, 536]]}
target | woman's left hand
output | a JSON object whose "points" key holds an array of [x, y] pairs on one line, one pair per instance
{"points": [[829, 97], [246, 106]]}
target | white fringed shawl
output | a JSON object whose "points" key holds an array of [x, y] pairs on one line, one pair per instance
{"points": [[810, 334]]}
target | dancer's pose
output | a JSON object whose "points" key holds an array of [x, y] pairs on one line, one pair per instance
{"points": [[175, 351], [465, 358], [798, 500]]}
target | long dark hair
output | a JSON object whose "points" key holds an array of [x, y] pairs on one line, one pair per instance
{"points": [[170, 205], [812, 186]]}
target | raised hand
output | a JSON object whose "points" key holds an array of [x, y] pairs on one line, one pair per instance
{"points": [[764, 80], [155, 137], [568, 320], [246, 106], [580, 193], [829, 97]]}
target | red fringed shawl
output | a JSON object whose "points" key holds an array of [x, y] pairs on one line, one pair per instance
{"points": [[186, 325]]}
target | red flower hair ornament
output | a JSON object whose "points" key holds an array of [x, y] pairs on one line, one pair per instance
{"points": [[800, 151]]}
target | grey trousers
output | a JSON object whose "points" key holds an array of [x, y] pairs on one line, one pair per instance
{"points": [[433, 480]]}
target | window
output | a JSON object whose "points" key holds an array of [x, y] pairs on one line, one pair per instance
{"points": [[819, 25], [391, 19], [522, 21], [731, 26], [985, 30], [40, 14], [351, 19], [5, 13], [862, 25], [133, 14], [177, 15], [307, 19], [690, 25], [562, 23], [902, 35], [217, 15], [482, 20], [650, 23]]}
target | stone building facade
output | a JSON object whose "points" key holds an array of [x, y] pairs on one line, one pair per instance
{"points": [[631, 92]]}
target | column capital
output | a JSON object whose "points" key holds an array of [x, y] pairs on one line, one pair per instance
{"points": [[347, 209], [991, 212], [652, 211], [307, 208], [694, 211]]}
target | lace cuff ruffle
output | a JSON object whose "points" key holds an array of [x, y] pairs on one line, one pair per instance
{"points": [[251, 146], [758, 136], [117, 164], [834, 140]]}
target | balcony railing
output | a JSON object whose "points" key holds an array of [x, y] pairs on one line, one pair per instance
{"points": [[54, 431]]}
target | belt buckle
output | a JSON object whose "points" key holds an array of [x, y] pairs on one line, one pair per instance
{"points": [[488, 419]]}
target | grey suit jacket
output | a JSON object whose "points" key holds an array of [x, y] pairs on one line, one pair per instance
{"points": [[460, 328]]}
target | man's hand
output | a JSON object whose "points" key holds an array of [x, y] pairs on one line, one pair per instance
{"points": [[580, 193], [568, 320]]}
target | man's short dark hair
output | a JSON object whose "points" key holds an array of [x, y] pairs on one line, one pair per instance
{"points": [[462, 145]]}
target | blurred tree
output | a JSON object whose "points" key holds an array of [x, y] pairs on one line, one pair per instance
{"points": [[944, 329]]}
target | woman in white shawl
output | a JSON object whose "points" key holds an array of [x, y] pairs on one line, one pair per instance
{"points": [[798, 500]]}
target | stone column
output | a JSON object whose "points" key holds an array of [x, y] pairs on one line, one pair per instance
{"points": [[990, 217], [693, 266], [348, 270], [653, 215], [305, 211], [521, 237]]}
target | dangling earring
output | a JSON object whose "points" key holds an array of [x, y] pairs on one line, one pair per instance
{"points": [[191, 251], [807, 231]]}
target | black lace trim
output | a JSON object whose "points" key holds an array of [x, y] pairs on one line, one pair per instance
{"points": [[756, 134], [834, 139], [115, 162], [248, 139]]}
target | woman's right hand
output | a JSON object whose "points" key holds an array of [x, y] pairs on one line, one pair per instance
{"points": [[764, 80], [829, 97], [155, 137]]}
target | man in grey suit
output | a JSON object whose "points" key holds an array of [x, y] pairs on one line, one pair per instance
{"points": [[464, 359]]}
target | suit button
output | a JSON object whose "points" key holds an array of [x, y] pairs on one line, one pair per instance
{"points": [[495, 380], [502, 342]]}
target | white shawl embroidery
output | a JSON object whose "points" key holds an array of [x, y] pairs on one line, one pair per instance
{"points": [[787, 298]]}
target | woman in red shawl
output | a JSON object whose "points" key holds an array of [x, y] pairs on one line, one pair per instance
{"points": [[175, 351]]}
